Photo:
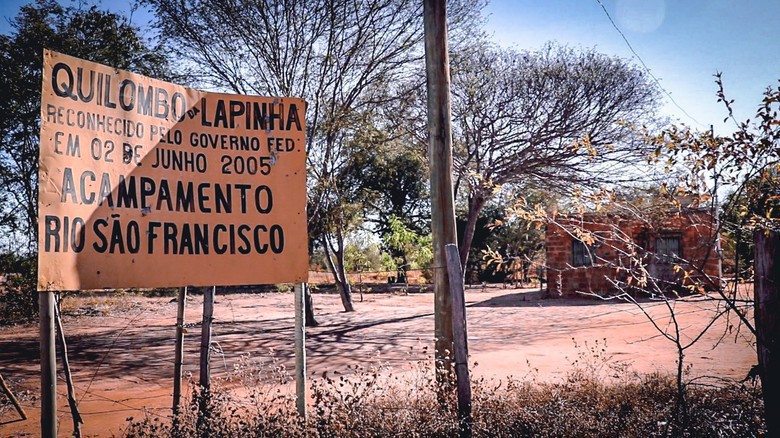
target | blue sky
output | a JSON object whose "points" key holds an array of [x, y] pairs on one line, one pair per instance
{"points": [[683, 43]]}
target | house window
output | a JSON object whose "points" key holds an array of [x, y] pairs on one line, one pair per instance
{"points": [[582, 254], [668, 248]]}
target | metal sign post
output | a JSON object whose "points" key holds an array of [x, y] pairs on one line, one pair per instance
{"points": [[179, 355], [300, 350], [48, 366]]}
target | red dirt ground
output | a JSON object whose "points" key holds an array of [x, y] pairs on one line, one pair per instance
{"points": [[122, 347]]}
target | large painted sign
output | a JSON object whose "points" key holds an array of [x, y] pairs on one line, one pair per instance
{"points": [[144, 183]]}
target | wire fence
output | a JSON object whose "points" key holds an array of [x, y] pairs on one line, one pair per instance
{"points": [[534, 275], [159, 406]]}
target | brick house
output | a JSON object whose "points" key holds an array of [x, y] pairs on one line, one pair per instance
{"points": [[585, 252]]}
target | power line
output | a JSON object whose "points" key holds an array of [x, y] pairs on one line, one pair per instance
{"points": [[642, 62]]}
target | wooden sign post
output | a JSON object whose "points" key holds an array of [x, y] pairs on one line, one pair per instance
{"points": [[205, 337]]}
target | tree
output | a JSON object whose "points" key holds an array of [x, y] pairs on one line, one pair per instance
{"points": [[748, 160], [415, 250], [549, 120], [338, 214], [650, 247], [390, 182], [393, 184], [341, 56], [508, 245], [18, 304], [380, 184], [88, 33]]}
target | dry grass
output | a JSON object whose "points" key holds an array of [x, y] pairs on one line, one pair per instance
{"points": [[601, 397], [96, 304]]}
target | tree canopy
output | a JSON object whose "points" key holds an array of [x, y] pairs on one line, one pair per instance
{"points": [[551, 119], [343, 57], [86, 32]]}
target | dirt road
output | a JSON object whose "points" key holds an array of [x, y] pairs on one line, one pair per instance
{"points": [[122, 347]]}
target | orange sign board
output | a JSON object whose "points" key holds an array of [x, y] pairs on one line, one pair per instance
{"points": [[144, 183]]}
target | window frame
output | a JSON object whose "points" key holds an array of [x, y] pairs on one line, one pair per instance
{"points": [[582, 254], [668, 256]]}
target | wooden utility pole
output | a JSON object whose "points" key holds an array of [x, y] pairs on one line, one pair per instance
{"points": [[178, 361], [455, 272], [437, 66], [48, 365], [767, 313], [300, 350]]}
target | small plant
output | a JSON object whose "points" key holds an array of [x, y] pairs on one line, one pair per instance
{"points": [[595, 363], [283, 287]]}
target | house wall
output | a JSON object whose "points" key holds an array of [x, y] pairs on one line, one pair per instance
{"points": [[621, 243]]}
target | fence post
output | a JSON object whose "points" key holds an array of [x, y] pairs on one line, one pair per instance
{"points": [[74, 409], [460, 337], [204, 420], [12, 397], [767, 314]]}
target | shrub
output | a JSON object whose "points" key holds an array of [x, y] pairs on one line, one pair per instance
{"points": [[376, 402], [18, 289]]}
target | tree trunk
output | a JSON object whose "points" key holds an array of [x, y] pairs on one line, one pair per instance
{"points": [[339, 273], [767, 314], [309, 305], [681, 404], [475, 208], [404, 271], [345, 291]]}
